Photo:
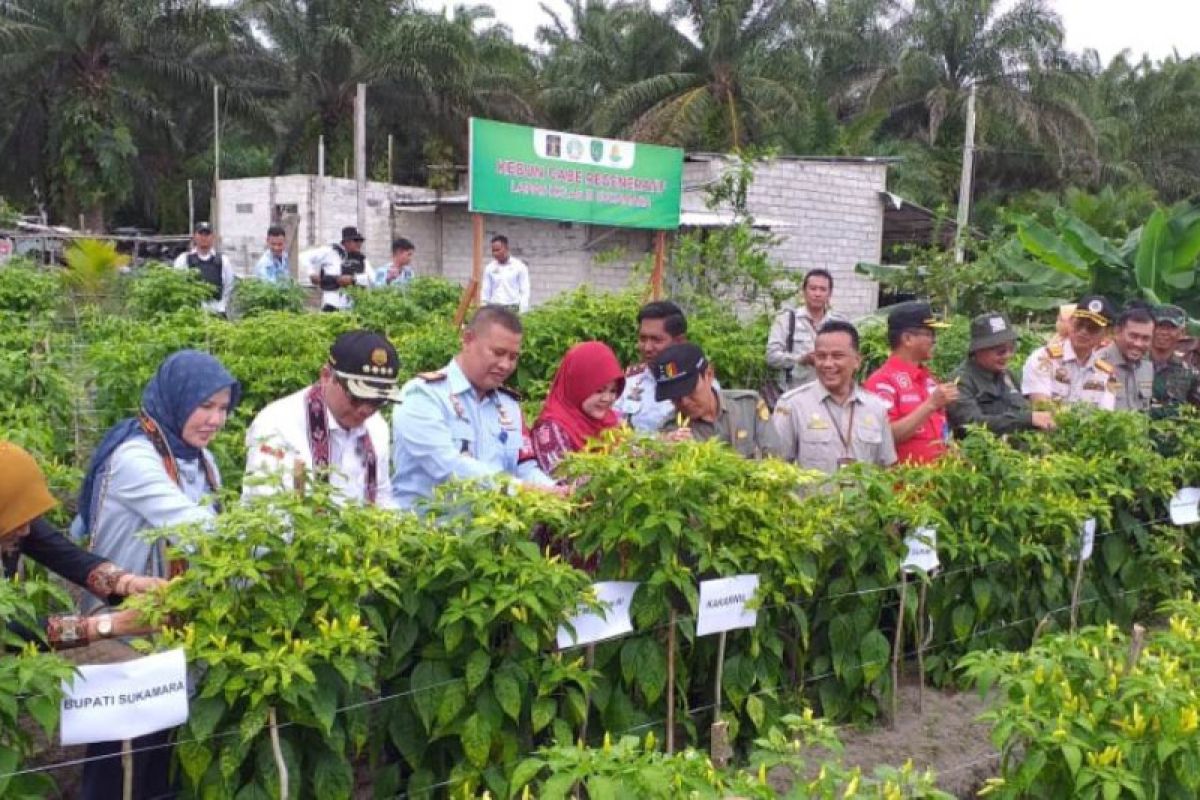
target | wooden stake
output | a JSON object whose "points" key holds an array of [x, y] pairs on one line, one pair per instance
{"points": [[1075, 593], [660, 259], [465, 302], [719, 748], [476, 255], [671, 682], [1135, 647], [127, 769], [921, 635], [280, 764], [897, 645]]}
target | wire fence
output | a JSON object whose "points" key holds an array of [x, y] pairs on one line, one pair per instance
{"points": [[705, 708]]}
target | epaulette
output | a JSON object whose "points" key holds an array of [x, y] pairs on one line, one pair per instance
{"points": [[1054, 350], [511, 392], [431, 377], [635, 369], [1104, 366]]}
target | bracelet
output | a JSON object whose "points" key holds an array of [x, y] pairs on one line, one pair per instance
{"points": [[67, 631], [105, 580]]}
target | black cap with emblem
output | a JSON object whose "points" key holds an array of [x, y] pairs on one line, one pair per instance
{"points": [[913, 315], [677, 370], [1170, 315], [1095, 308], [351, 234], [367, 364]]}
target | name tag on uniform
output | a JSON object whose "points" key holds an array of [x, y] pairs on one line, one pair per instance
{"points": [[817, 423], [742, 434]]}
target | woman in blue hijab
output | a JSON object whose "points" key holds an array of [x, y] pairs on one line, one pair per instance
{"points": [[153, 471]]}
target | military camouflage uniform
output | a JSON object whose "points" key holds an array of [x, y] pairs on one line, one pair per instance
{"points": [[743, 422], [1175, 383]]}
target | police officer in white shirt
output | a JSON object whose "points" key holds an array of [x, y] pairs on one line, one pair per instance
{"points": [[213, 267], [332, 430], [340, 265], [505, 278]]}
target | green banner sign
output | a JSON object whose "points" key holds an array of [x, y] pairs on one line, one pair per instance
{"points": [[530, 172]]}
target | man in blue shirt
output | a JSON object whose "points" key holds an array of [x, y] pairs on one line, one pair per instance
{"points": [[462, 422], [273, 266], [400, 271]]}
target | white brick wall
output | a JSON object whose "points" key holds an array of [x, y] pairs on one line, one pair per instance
{"points": [[831, 213]]}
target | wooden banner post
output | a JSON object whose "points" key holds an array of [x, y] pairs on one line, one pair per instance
{"points": [[470, 295], [660, 259]]}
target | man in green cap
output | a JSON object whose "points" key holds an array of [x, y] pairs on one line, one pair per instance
{"points": [[988, 394], [1175, 383]]}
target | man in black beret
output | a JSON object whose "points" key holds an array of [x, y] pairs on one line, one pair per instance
{"points": [[988, 394]]}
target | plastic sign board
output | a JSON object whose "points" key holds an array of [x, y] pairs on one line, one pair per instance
{"points": [[723, 604], [590, 626], [922, 551], [112, 702], [530, 172], [1087, 538], [1185, 506]]}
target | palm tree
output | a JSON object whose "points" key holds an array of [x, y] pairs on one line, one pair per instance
{"points": [[739, 82], [88, 80]]}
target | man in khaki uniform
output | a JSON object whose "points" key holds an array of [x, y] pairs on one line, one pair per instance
{"points": [[1073, 372], [1133, 372], [833, 422], [738, 417], [794, 332]]}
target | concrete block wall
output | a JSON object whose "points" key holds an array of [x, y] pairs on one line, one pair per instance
{"points": [[831, 212]]}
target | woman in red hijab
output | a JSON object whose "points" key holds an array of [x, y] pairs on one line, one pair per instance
{"points": [[580, 404]]}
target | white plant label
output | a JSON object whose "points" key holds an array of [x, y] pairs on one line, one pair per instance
{"points": [[592, 626], [113, 702], [723, 604], [1087, 541], [922, 550], [1185, 506]]}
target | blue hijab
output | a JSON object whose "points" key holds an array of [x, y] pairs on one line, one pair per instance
{"points": [[184, 380]]}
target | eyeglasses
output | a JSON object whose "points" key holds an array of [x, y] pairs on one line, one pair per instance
{"points": [[358, 401]]}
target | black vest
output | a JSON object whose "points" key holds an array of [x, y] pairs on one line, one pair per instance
{"points": [[209, 269]]}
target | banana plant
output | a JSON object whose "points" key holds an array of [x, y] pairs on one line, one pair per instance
{"points": [[1156, 262]]}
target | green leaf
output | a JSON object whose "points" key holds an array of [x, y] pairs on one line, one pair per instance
{"points": [[508, 693], [324, 702], [332, 777], [45, 710], [478, 664], [525, 772], [454, 700], [194, 757], [544, 709], [962, 620], [1072, 756], [425, 680], [875, 651], [1052, 251], [476, 737], [651, 675], [756, 711], [204, 714], [1155, 253], [981, 589], [600, 787]]}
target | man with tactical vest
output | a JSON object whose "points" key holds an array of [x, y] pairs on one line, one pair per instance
{"points": [[213, 267], [1073, 371], [338, 266]]}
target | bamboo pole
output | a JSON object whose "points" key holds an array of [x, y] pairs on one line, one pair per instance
{"points": [[897, 645], [277, 751], [127, 769], [718, 738], [671, 682]]}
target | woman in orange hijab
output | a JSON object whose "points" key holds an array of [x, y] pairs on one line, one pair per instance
{"points": [[24, 498], [579, 406]]}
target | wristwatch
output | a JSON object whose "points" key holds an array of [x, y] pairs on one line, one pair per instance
{"points": [[104, 626]]}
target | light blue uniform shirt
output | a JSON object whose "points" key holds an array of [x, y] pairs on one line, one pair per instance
{"points": [[136, 495], [442, 430], [272, 269]]}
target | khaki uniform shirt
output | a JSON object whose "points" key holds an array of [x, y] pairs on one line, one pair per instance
{"points": [[743, 422], [789, 372], [815, 432], [989, 399], [1134, 384], [1055, 371]]}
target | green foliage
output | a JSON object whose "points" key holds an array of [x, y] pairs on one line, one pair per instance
{"points": [[92, 270], [156, 290], [27, 290], [1082, 716], [632, 768], [968, 289], [30, 684], [251, 297], [948, 353]]}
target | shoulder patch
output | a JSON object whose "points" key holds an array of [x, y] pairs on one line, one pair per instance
{"points": [[635, 369], [431, 377], [1054, 350], [511, 392], [1104, 366], [764, 413]]}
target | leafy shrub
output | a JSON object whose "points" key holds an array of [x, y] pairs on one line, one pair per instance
{"points": [[425, 301], [157, 290], [252, 297], [1079, 716], [949, 351], [27, 290]]}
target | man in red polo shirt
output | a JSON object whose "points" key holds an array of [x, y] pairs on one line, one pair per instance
{"points": [[916, 401]]}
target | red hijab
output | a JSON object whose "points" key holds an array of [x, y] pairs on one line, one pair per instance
{"points": [[586, 369]]}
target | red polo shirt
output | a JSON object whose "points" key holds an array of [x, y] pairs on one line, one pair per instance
{"points": [[903, 387]]}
